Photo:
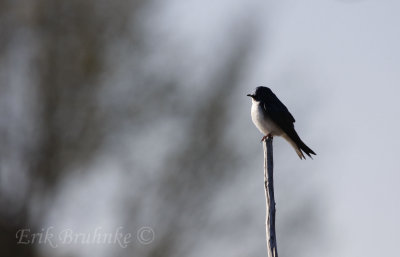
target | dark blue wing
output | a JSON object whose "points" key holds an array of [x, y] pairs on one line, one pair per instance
{"points": [[278, 112]]}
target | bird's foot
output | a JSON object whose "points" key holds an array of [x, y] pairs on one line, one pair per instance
{"points": [[266, 137]]}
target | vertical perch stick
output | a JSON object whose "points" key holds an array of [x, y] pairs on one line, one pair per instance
{"points": [[270, 198]]}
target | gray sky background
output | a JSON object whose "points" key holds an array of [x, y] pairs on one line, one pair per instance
{"points": [[335, 64]]}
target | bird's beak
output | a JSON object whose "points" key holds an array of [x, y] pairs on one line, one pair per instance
{"points": [[252, 96]]}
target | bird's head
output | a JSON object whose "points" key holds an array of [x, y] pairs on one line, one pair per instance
{"points": [[261, 93]]}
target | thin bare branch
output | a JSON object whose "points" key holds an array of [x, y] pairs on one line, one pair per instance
{"points": [[270, 198]]}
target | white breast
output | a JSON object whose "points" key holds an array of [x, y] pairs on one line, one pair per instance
{"points": [[263, 122]]}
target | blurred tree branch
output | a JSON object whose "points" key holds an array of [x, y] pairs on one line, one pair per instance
{"points": [[69, 40]]}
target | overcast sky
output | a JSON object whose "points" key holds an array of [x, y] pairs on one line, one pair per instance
{"points": [[336, 63], [336, 66]]}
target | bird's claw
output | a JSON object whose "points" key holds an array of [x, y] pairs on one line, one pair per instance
{"points": [[264, 138]]}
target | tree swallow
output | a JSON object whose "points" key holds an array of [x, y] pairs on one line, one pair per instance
{"points": [[272, 118]]}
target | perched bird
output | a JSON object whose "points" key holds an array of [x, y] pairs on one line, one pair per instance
{"points": [[272, 118]]}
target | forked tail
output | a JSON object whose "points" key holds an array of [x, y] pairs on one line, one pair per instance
{"points": [[299, 145]]}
